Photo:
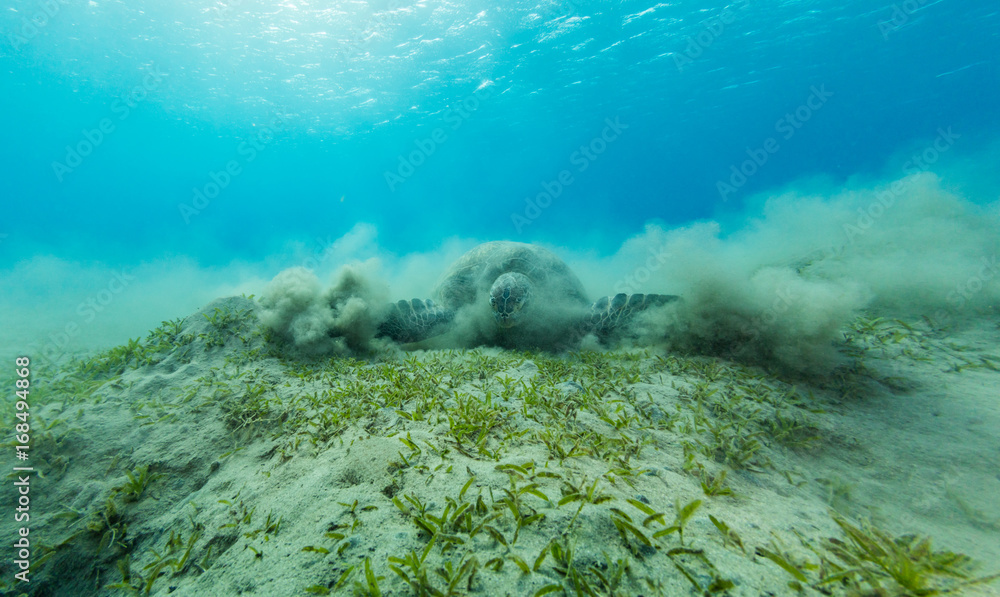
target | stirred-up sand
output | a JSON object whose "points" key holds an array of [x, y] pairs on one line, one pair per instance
{"points": [[205, 460]]}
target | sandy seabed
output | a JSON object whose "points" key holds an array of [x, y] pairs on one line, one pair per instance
{"points": [[204, 460]]}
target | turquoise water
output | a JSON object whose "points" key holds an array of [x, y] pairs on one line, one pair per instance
{"points": [[349, 89], [202, 135], [816, 180]]}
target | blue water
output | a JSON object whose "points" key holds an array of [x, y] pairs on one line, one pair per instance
{"points": [[159, 156], [351, 91]]}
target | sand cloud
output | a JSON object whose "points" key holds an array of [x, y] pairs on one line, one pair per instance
{"points": [[775, 285]]}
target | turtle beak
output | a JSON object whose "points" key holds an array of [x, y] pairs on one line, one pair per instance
{"points": [[508, 297], [506, 310], [505, 320]]}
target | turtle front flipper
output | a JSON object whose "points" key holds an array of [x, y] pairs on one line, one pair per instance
{"points": [[611, 314], [414, 320]]}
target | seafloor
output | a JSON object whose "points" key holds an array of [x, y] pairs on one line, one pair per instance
{"points": [[204, 460]]}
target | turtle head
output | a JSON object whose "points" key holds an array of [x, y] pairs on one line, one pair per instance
{"points": [[509, 296]]}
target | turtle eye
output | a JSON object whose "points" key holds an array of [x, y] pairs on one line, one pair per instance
{"points": [[493, 301]]}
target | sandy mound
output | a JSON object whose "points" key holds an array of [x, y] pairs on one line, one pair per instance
{"points": [[206, 461]]}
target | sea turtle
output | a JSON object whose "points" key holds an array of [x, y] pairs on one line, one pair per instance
{"points": [[514, 295]]}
